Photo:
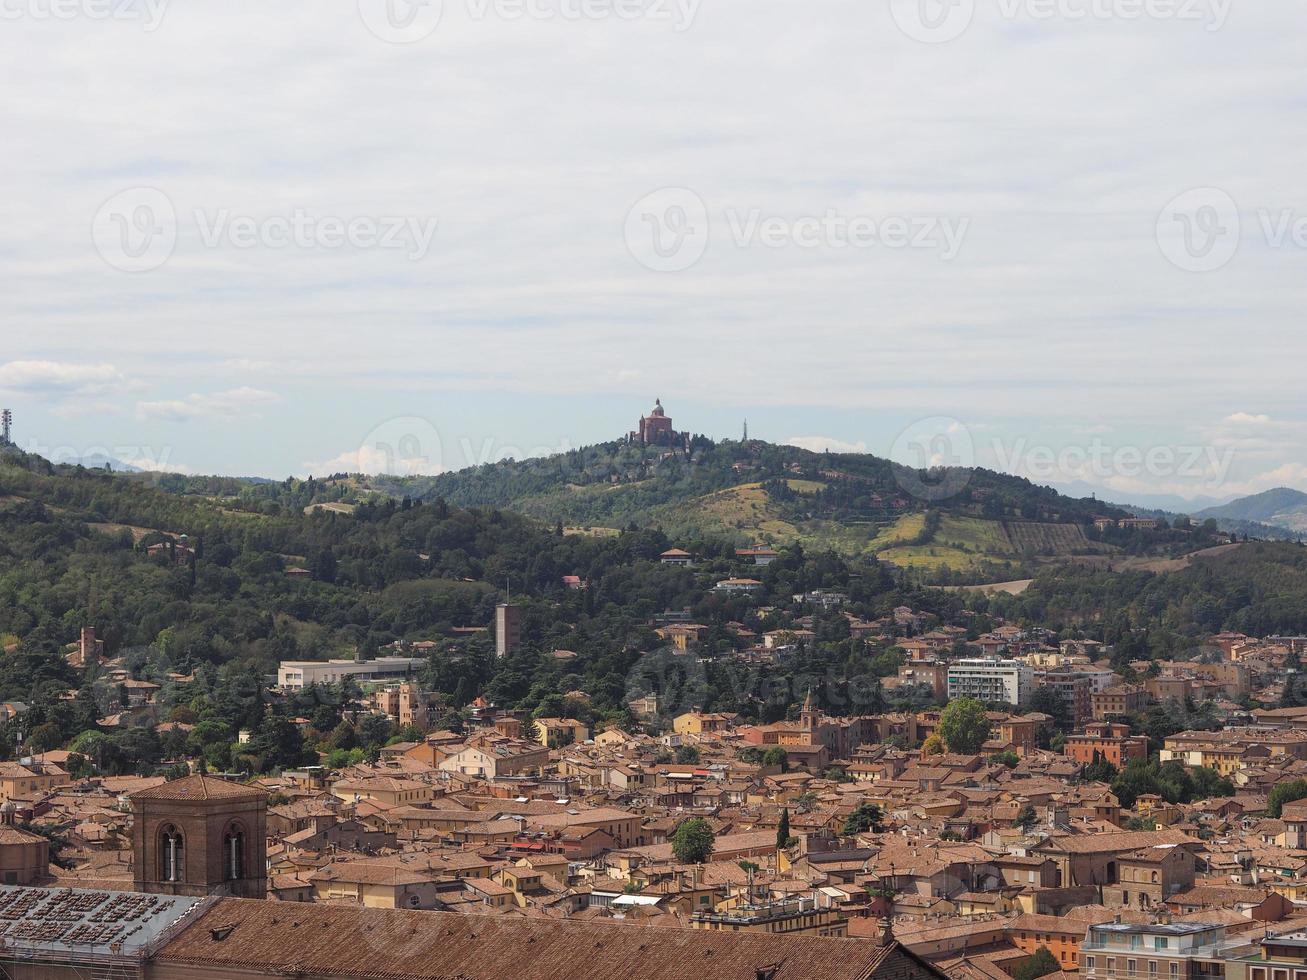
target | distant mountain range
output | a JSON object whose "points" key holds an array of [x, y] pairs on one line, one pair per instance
{"points": [[1282, 507], [1170, 502]]}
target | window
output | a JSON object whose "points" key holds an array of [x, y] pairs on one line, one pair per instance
{"points": [[171, 854], [1160, 943], [233, 852], [1089, 962]]}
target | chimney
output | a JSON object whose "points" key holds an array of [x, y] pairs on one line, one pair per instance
{"points": [[887, 930]]}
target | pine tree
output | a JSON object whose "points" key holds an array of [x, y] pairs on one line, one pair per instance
{"points": [[783, 830]]}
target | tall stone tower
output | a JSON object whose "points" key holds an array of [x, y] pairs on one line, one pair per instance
{"points": [[508, 628], [200, 835]]}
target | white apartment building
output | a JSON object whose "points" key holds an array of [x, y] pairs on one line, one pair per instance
{"points": [[295, 674], [990, 680]]}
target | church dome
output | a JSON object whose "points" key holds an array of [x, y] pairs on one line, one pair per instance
{"points": [[658, 408]]}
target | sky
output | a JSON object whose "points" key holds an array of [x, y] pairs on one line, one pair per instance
{"points": [[1063, 238]]}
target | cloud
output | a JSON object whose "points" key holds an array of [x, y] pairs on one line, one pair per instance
{"points": [[821, 444], [1243, 418], [58, 377], [151, 465], [233, 404], [373, 461]]}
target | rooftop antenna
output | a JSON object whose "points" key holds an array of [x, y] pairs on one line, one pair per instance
{"points": [[6, 424], [746, 431]]}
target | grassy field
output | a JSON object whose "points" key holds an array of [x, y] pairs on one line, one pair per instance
{"points": [[961, 543]]}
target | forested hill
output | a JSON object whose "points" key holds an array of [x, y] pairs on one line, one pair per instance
{"points": [[954, 520], [616, 483]]}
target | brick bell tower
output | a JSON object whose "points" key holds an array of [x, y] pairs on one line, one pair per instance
{"points": [[200, 835]]}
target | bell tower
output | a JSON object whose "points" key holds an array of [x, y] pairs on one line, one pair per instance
{"points": [[200, 835]]}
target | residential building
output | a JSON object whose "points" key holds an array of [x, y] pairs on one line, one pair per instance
{"points": [[1178, 951], [992, 681], [292, 675]]}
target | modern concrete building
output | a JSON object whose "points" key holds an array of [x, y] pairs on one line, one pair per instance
{"points": [[1003, 681], [295, 674]]}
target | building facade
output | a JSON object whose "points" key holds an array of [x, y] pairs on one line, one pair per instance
{"points": [[992, 681]]}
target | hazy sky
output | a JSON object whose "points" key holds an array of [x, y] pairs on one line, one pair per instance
{"points": [[254, 237]]}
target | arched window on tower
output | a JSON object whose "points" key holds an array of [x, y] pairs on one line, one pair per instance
{"points": [[233, 853], [172, 854]]}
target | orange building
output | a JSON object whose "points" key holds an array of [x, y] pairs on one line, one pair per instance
{"points": [[1061, 934], [1110, 741]]}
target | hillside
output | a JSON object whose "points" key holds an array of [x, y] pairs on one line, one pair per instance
{"points": [[990, 526], [1282, 507]]}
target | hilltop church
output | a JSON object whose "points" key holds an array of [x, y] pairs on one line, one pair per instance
{"points": [[655, 429]]}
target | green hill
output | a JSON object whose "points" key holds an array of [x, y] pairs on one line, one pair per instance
{"points": [[757, 493], [1282, 507]]}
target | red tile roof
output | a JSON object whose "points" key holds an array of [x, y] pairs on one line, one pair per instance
{"points": [[391, 944], [201, 787]]}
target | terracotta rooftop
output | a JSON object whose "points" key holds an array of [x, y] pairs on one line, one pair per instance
{"points": [[391, 944], [200, 787]]}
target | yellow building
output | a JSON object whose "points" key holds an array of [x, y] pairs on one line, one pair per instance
{"points": [[555, 733], [795, 916]]}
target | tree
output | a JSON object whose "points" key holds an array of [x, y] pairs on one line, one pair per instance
{"points": [[1040, 964], [693, 841], [1098, 771], [687, 755], [1285, 793], [1006, 758], [933, 745], [1027, 818], [775, 756], [867, 817], [783, 830], [963, 726]]}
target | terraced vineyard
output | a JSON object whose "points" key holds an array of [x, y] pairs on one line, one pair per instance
{"points": [[1028, 538]]}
